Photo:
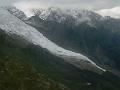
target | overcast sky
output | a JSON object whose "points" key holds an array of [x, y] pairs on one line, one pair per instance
{"points": [[102, 6], [87, 4]]}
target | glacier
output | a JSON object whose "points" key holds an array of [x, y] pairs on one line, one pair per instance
{"points": [[12, 25]]}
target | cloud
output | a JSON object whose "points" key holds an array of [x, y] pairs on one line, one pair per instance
{"points": [[96, 5], [84, 4], [113, 12]]}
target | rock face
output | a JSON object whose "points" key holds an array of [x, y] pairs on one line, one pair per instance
{"points": [[19, 14]]}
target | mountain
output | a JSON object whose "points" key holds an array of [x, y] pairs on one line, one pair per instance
{"points": [[33, 61], [15, 25], [71, 16], [96, 37], [29, 67]]}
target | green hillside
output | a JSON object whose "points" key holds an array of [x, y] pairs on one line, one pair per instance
{"points": [[16, 73]]}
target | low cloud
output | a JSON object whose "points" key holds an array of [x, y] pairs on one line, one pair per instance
{"points": [[113, 12], [27, 6]]}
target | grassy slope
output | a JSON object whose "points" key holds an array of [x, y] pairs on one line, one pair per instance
{"points": [[16, 73]]}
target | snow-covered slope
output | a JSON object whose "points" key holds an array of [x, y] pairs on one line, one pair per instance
{"points": [[13, 25]]}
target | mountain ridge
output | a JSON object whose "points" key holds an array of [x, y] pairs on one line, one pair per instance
{"points": [[96, 42]]}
